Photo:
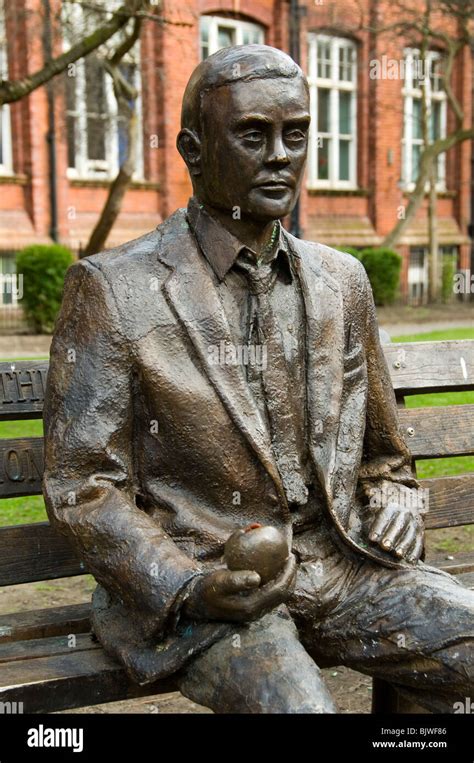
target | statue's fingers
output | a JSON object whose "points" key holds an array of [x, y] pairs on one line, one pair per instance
{"points": [[406, 541], [414, 554], [394, 531], [381, 523]]}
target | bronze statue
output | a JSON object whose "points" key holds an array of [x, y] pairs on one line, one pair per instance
{"points": [[218, 374]]}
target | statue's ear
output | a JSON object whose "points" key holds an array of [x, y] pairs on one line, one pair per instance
{"points": [[189, 146]]}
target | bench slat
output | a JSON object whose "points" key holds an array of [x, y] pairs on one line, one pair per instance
{"points": [[80, 677], [46, 647], [455, 564], [22, 386], [439, 432], [451, 501], [35, 552], [419, 367], [21, 466], [41, 623]]}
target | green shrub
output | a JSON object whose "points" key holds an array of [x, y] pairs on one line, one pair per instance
{"points": [[383, 269], [43, 268]]}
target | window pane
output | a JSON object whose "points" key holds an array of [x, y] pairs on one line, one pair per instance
{"points": [[324, 59], [416, 119], [345, 113], [415, 162], [323, 160], [323, 109], [95, 86], [95, 139], [435, 74], [435, 120], [346, 58], [71, 141], [343, 160], [8, 267], [96, 109], [225, 37], [417, 71]]}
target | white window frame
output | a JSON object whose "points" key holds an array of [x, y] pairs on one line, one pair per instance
{"points": [[411, 93], [107, 169], [6, 166], [335, 86], [212, 23]]}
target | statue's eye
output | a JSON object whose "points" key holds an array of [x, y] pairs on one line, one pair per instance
{"points": [[295, 136], [252, 136]]}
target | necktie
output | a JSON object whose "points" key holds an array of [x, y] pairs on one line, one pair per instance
{"points": [[276, 382]]}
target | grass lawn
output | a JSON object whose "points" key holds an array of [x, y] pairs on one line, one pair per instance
{"points": [[437, 336], [31, 509]]}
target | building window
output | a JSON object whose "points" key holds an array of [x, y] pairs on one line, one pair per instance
{"points": [[418, 273], [418, 276], [412, 142], [6, 165], [96, 129], [11, 285], [332, 77], [218, 32]]}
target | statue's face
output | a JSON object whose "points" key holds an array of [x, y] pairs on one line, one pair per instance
{"points": [[254, 143]]}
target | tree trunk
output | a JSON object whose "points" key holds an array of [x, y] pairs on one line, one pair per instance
{"points": [[433, 259]]}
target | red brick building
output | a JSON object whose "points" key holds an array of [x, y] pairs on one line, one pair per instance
{"points": [[365, 138]]}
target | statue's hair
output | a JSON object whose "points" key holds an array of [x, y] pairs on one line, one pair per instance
{"points": [[239, 63]]}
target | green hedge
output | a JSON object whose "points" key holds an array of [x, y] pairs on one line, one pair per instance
{"points": [[383, 268], [43, 268]]}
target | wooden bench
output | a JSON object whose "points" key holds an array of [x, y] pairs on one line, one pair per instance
{"points": [[48, 660]]}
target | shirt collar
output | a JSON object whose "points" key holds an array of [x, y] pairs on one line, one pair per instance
{"points": [[219, 246]]}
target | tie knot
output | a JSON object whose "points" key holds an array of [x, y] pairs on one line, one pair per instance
{"points": [[260, 278]]}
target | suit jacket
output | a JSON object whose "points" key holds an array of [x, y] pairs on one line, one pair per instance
{"points": [[147, 441]]}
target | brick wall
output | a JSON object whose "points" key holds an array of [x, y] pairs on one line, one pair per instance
{"points": [[169, 52]]}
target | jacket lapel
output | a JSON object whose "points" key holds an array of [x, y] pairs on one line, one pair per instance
{"points": [[324, 353], [191, 291]]}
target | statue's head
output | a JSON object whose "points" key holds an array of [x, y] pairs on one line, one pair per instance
{"points": [[244, 131]]}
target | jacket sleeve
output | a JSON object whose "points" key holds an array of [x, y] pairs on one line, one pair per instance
{"points": [[386, 462], [89, 475]]}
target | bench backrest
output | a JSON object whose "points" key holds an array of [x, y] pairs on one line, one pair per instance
{"points": [[37, 552]]}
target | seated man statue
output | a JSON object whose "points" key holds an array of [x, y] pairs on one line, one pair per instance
{"points": [[219, 375]]}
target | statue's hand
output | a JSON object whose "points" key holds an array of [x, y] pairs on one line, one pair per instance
{"points": [[399, 530], [237, 595]]}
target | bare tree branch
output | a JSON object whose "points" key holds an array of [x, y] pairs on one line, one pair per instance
{"points": [[11, 91], [416, 198]]}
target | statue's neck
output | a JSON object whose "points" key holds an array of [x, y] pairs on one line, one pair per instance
{"points": [[253, 233]]}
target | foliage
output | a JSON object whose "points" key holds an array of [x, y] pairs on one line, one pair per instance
{"points": [[42, 267]]}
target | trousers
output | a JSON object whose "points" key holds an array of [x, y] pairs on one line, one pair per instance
{"points": [[412, 627]]}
